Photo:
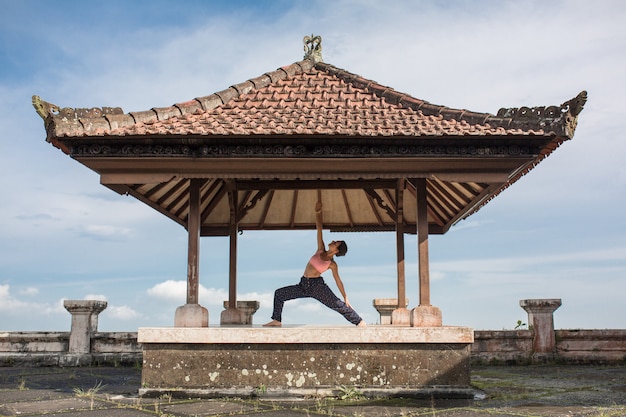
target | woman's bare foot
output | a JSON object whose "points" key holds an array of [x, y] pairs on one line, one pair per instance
{"points": [[361, 324], [273, 323]]}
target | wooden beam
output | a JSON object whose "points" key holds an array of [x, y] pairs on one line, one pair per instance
{"points": [[374, 209], [135, 178], [346, 205], [381, 203], [127, 170], [179, 184], [313, 184], [250, 204], [216, 191], [266, 208], [294, 205], [155, 206], [473, 205]]}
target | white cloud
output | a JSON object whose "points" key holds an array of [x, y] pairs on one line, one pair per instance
{"points": [[169, 290], [176, 292], [29, 291], [18, 308], [9, 303], [104, 232], [98, 297], [122, 312]]}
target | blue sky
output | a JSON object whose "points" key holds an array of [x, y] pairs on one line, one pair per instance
{"points": [[559, 232]]}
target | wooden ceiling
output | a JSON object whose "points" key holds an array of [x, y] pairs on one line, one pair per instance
{"points": [[349, 205]]}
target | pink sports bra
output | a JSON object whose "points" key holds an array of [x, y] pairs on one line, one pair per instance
{"points": [[318, 263]]}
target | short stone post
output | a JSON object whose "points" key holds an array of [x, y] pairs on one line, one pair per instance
{"points": [[541, 322], [247, 310], [97, 309], [385, 308], [84, 316]]}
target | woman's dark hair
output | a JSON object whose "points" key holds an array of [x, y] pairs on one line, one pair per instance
{"points": [[342, 249]]}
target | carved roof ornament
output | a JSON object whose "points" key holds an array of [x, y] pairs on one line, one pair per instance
{"points": [[313, 48], [45, 109], [568, 112], [573, 107]]}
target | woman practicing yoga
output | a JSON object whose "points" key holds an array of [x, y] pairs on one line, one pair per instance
{"points": [[312, 284]]}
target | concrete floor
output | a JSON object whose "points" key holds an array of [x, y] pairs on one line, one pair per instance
{"points": [[520, 391]]}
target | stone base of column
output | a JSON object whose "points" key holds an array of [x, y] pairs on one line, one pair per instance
{"points": [[232, 316], [385, 307], [247, 309], [191, 315], [401, 317], [426, 316]]}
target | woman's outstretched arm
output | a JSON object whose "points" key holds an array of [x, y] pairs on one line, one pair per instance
{"points": [[319, 225]]}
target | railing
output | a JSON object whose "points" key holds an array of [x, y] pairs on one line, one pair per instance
{"points": [[84, 345]]}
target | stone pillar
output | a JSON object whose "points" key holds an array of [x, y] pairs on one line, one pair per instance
{"points": [[84, 316], [246, 309], [541, 322], [385, 308]]}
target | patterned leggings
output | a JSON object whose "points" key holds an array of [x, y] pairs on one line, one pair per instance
{"points": [[312, 288]]}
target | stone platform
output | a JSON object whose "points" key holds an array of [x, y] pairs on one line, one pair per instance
{"points": [[307, 360]]}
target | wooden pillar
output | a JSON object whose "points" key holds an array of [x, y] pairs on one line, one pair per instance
{"points": [[232, 233], [424, 315], [192, 314], [193, 248], [422, 242], [232, 315], [400, 315]]}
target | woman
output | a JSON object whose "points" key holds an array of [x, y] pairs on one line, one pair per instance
{"points": [[312, 284]]}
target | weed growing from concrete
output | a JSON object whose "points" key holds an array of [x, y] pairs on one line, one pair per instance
{"points": [[22, 384], [167, 397], [89, 393], [616, 411], [350, 393], [260, 390]]}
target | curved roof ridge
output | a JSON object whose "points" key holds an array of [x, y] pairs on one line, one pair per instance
{"points": [[100, 119], [558, 120], [402, 99]]}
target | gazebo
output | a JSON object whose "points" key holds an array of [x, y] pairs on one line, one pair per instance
{"points": [[258, 155]]}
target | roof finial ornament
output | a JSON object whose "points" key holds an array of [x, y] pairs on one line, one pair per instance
{"points": [[43, 108], [313, 48]]}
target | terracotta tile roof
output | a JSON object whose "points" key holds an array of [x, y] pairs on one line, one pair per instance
{"points": [[307, 98]]}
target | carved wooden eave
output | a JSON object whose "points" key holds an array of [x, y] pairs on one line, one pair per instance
{"points": [[306, 130]]}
